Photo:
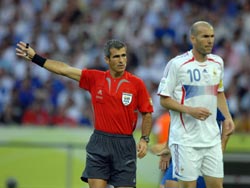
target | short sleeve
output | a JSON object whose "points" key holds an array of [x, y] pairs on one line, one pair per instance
{"points": [[168, 81], [144, 100]]}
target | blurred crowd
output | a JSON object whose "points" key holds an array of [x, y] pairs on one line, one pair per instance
{"points": [[75, 32]]}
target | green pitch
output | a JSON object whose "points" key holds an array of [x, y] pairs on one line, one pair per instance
{"points": [[40, 157], [52, 157]]}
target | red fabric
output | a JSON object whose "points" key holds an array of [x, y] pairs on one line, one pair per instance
{"points": [[62, 120], [39, 117], [111, 113]]}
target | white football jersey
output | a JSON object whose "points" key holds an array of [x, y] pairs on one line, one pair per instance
{"points": [[194, 84]]}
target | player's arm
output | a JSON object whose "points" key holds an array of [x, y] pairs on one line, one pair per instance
{"points": [[224, 139], [196, 112], [228, 124], [222, 105], [145, 131], [165, 156], [57, 67]]}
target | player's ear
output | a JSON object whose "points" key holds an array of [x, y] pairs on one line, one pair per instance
{"points": [[192, 38]]}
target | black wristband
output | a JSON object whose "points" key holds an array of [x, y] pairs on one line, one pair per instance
{"points": [[39, 60]]}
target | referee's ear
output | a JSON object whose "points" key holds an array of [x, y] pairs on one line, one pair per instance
{"points": [[107, 60]]}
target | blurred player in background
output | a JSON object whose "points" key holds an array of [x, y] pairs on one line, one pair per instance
{"points": [[161, 130], [192, 89], [117, 98]]}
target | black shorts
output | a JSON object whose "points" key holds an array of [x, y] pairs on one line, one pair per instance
{"points": [[111, 157]]}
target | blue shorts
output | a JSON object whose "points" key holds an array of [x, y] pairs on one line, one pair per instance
{"points": [[169, 176]]}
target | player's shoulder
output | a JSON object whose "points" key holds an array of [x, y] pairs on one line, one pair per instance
{"points": [[182, 58], [215, 58]]}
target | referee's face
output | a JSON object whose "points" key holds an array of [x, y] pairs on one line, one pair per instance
{"points": [[117, 61]]}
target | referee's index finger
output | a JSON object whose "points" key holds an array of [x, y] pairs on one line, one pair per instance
{"points": [[21, 43]]}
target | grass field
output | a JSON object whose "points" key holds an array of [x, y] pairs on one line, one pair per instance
{"points": [[54, 158], [39, 157]]}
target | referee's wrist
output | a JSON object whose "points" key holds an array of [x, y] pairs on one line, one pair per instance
{"points": [[145, 138], [39, 60]]}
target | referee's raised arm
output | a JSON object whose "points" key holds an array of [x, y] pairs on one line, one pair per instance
{"points": [[24, 50]]}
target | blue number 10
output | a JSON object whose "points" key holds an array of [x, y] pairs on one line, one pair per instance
{"points": [[194, 75]]}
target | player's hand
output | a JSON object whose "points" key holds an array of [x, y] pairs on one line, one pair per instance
{"points": [[199, 113], [24, 50], [142, 148], [228, 127], [164, 161]]}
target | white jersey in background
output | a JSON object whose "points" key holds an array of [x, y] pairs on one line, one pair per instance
{"points": [[194, 84]]}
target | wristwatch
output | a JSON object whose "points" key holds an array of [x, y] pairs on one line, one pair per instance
{"points": [[146, 138]]}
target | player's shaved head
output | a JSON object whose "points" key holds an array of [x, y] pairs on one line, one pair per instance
{"points": [[194, 30]]}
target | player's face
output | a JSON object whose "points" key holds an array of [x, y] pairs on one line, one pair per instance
{"points": [[117, 61], [203, 42]]}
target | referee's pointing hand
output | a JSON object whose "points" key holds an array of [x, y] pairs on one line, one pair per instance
{"points": [[24, 50]]}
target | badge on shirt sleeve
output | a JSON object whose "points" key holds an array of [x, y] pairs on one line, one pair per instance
{"points": [[126, 98]]}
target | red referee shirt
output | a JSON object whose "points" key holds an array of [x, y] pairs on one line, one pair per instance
{"points": [[116, 102]]}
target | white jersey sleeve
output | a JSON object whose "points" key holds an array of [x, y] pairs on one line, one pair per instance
{"points": [[168, 81]]}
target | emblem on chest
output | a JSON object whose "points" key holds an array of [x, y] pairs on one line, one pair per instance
{"points": [[126, 98]]}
